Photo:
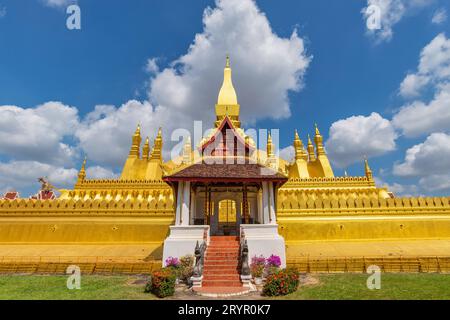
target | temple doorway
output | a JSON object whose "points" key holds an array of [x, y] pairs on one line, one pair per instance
{"points": [[227, 219]]}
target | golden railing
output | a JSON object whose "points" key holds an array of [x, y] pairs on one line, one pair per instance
{"points": [[87, 265], [389, 264]]}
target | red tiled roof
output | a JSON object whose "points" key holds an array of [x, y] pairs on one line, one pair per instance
{"points": [[12, 195], [226, 172]]}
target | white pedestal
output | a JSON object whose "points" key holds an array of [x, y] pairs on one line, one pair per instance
{"points": [[182, 241], [263, 239]]}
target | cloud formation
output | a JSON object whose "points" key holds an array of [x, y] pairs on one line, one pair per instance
{"points": [[265, 66], [433, 68], [440, 16], [351, 139], [427, 158], [38, 133]]}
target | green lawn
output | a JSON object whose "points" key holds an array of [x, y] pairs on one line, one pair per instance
{"points": [[55, 288], [393, 287], [330, 287]]}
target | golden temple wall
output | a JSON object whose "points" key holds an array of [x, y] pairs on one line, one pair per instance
{"points": [[359, 214], [86, 220]]}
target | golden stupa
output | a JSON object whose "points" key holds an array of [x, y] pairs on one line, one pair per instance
{"points": [[319, 217]]}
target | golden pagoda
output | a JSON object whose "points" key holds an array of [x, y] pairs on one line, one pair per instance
{"points": [[296, 209]]}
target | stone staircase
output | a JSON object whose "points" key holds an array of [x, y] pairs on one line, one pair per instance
{"points": [[221, 264]]}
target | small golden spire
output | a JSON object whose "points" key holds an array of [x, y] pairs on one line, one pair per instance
{"points": [[157, 147], [300, 152], [269, 146], [82, 173], [317, 129], [369, 173], [146, 149], [136, 142], [187, 151], [311, 153], [318, 139]]}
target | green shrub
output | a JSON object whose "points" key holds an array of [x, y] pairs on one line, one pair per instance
{"points": [[281, 283], [162, 283]]}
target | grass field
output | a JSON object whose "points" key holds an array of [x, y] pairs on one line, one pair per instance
{"points": [[19, 287], [393, 287], [328, 287]]}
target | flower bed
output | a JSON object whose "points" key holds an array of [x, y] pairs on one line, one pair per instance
{"points": [[281, 283], [162, 283]]}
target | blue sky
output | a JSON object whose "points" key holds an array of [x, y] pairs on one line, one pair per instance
{"points": [[72, 87]]}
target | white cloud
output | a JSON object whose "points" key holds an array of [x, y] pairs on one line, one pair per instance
{"points": [[433, 68], [440, 16], [354, 138], [420, 118], [105, 133], [436, 182], [38, 133], [413, 84], [97, 172], [24, 174], [427, 158], [287, 153], [265, 67], [392, 12], [152, 66]]}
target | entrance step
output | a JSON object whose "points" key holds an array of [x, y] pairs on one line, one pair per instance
{"points": [[221, 263], [221, 283]]}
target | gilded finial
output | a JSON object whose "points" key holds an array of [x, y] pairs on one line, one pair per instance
{"points": [[146, 149], [369, 174], [227, 64], [311, 153], [296, 135], [269, 146], [317, 129], [82, 173], [157, 147]]}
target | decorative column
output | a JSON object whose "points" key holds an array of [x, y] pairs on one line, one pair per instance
{"points": [[193, 208], [245, 205], [265, 203], [272, 213], [259, 206], [206, 207], [185, 203], [179, 203]]}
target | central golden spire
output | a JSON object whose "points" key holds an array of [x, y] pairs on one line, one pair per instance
{"points": [[227, 94], [227, 103]]}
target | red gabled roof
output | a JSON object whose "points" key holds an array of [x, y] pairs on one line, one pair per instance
{"points": [[220, 129], [11, 195], [226, 173]]}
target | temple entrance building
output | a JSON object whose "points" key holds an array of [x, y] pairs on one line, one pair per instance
{"points": [[224, 188]]}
